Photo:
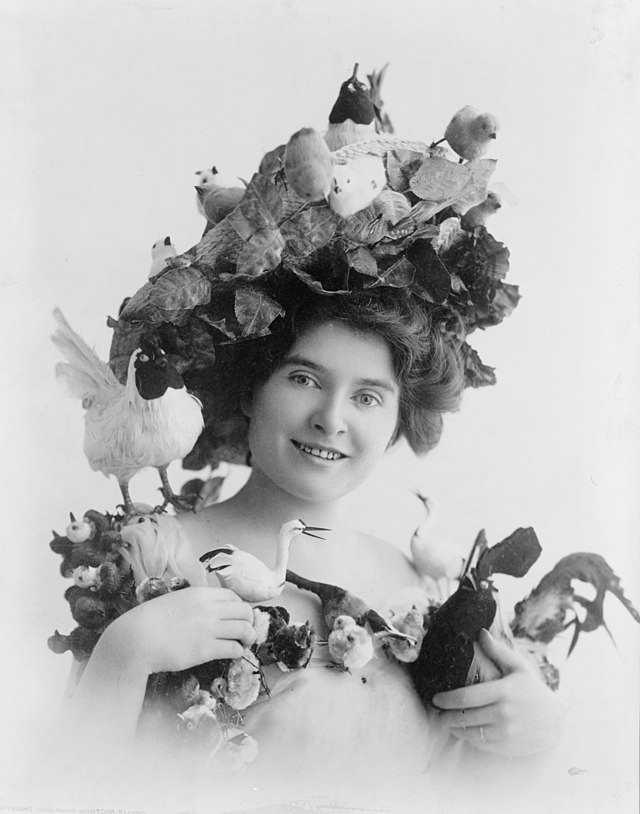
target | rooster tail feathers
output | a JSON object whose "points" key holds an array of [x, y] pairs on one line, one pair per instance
{"points": [[84, 372]]}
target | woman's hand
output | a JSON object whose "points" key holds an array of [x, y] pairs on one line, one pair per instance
{"points": [[184, 628], [514, 715]]}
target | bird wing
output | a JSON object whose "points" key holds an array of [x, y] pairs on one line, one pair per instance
{"points": [[84, 373]]}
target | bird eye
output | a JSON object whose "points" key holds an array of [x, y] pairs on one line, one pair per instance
{"points": [[141, 520], [143, 357]]}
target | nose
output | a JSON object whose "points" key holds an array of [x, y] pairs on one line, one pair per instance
{"points": [[329, 416]]}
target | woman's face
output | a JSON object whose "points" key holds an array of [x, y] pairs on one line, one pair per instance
{"points": [[325, 417]]}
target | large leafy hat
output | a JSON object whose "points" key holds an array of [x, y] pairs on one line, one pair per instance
{"points": [[415, 235]]}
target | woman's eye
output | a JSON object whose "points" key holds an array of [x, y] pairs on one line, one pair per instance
{"points": [[368, 399], [302, 379]]}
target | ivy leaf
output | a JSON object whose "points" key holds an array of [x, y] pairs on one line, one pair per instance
{"points": [[314, 283], [476, 373], [309, 229], [125, 339], [261, 253], [169, 297], [364, 227], [401, 165], [442, 182], [220, 324], [255, 311], [398, 275], [392, 206], [260, 209], [361, 260], [432, 273]]}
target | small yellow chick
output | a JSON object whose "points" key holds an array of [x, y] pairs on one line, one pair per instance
{"points": [[477, 215], [356, 184], [350, 645], [308, 165], [470, 133]]}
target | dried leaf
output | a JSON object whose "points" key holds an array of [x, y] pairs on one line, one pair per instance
{"points": [[476, 373], [126, 338], [169, 297], [261, 253], [314, 283], [398, 275], [362, 261], [255, 311], [401, 166], [309, 229], [220, 324], [442, 181], [364, 227], [392, 206], [432, 274], [260, 209]]}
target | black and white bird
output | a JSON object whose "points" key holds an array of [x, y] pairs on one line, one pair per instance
{"points": [[150, 420], [248, 575]]}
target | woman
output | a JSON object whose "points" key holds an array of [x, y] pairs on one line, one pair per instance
{"points": [[339, 381]]}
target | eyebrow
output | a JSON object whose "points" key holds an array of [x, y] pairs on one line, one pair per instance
{"points": [[295, 359]]}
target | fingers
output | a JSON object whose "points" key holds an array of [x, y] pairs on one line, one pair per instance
{"points": [[235, 610], [228, 649], [467, 718], [504, 656], [476, 695], [242, 632]]}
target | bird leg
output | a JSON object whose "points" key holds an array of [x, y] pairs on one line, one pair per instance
{"points": [[179, 502], [129, 508]]}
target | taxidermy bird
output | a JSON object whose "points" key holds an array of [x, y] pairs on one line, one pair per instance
{"points": [[350, 644], [161, 251], [215, 202], [338, 602], [470, 133], [308, 165], [449, 648], [477, 216], [434, 559], [543, 613], [159, 554], [356, 183], [247, 575], [412, 622], [353, 116], [292, 646], [151, 420]]}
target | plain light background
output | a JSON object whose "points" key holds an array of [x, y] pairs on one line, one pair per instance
{"points": [[110, 108]]}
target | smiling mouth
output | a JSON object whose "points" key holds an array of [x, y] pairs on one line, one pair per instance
{"points": [[319, 452]]}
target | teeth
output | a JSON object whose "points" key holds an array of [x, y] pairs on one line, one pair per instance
{"points": [[320, 453]]}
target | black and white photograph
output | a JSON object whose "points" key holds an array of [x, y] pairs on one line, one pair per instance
{"points": [[321, 412]]}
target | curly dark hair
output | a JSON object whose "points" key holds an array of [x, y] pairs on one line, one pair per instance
{"points": [[427, 365]]}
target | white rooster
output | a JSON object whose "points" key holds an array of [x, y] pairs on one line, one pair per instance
{"points": [[151, 420]]}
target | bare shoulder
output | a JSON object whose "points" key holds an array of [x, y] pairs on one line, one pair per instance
{"points": [[216, 525]]}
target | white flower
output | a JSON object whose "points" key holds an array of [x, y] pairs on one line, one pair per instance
{"points": [[450, 233], [243, 681]]}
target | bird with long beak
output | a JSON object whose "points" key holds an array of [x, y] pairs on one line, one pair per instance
{"points": [[249, 577], [434, 559]]}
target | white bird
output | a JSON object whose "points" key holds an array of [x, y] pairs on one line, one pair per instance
{"points": [[477, 216], [350, 644], [215, 201], [247, 575], [161, 251], [470, 133], [308, 165], [434, 559], [151, 420], [356, 183]]}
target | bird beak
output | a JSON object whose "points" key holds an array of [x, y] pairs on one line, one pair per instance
{"points": [[309, 529], [493, 135]]}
